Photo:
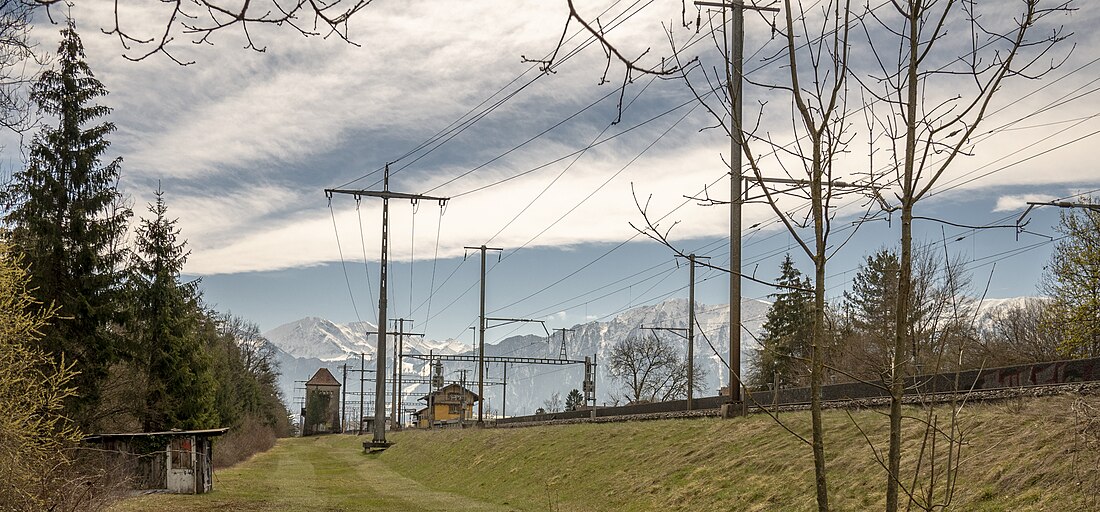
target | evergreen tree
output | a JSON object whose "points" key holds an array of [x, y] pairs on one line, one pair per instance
{"points": [[574, 400], [180, 386], [870, 304], [68, 219], [937, 305], [1072, 279], [788, 328]]}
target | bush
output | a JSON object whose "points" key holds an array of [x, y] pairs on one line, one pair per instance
{"points": [[38, 468], [252, 436]]}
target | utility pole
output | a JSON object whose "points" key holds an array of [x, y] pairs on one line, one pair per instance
{"points": [[385, 194], [691, 330], [462, 383], [431, 390], [344, 397], [398, 363], [1031, 205], [504, 400], [481, 341], [734, 80], [561, 353], [589, 384], [362, 396]]}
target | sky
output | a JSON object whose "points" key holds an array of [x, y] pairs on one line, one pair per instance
{"points": [[244, 143]]}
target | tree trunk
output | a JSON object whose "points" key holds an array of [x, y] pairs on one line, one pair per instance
{"points": [[818, 351], [905, 266]]}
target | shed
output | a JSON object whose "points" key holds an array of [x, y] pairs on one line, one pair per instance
{"points": [[322, 408], [180, 461]]}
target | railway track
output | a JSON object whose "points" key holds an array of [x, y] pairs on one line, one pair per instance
{"points": [[1081, 376]]}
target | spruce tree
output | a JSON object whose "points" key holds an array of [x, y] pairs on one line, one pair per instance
{"points": [[788, 328], [871, 303], [574, 400], [67, 218], [180, 387]]}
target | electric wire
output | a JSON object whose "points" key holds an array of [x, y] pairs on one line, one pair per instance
{"points": [[340, 249]]}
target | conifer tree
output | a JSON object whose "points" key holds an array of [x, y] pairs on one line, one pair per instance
{"points": [[788, 328], [871, 302], [574, 400], [180, 386], [68, 219]]}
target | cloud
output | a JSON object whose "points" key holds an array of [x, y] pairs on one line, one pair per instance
{"points": [[1018, 202], [244, 142]]}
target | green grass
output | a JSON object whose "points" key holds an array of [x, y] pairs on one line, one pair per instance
{"points": [[1016, 458], [320, 474]]}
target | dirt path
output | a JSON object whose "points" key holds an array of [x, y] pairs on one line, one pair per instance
{"points": [[328, 473]]}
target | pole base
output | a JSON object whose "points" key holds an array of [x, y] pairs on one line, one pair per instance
{"points": [[732, 410], [376, 446]]}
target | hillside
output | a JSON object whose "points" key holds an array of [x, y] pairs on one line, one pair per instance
{"points": [[1021, 455]]}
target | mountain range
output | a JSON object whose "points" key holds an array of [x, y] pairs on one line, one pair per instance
{"points": [[307, 344]]}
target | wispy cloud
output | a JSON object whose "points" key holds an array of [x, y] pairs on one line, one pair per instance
{"points": [[244, 142], [1018, 202]]}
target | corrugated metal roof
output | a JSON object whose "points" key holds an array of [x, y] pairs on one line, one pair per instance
{"points": [[210, 432]]}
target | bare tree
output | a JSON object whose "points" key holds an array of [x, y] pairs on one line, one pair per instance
{"points": [[915, 46], [553, 404], [815, 58], [199, 20], [1018, 333], [18, 63], [651, 370]]}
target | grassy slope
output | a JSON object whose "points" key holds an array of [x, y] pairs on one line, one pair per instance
{"points": [[321, 474], [1020, 456]]}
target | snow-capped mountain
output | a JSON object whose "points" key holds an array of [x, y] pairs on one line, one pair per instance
{"points": [[317, 338], [309, 343], [992, 310]]}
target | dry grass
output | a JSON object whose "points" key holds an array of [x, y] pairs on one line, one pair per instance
{"points": [[1028, 458], [1015, 459]]}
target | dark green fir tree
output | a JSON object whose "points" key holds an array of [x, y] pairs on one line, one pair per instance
{"points": [[574, 400], [871, 303], [787, 333], [180, 387], [66, 216]]}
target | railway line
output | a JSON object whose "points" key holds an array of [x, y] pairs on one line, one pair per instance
{"points": [[1035, 379]]}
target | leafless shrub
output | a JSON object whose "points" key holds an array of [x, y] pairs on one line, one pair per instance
{"points": [[1086, 456], [250, 438]]}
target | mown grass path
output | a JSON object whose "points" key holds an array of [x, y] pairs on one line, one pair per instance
{"points": [[327, 473]]}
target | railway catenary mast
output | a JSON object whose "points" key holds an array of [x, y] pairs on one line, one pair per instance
{"points": [[379, 441]]}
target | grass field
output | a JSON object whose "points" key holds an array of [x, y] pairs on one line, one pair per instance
{"points": [[319, 474], [1019, 456]]}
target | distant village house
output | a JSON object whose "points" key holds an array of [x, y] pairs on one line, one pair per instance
{"points": [[453, 404]]}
